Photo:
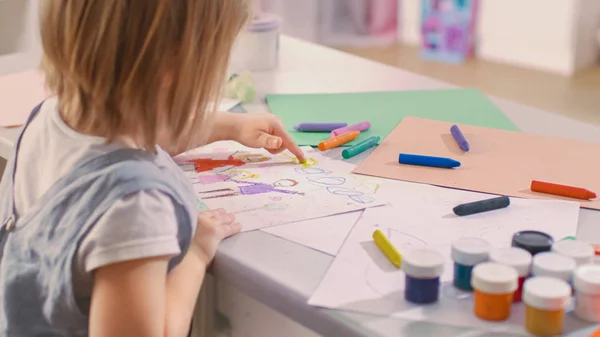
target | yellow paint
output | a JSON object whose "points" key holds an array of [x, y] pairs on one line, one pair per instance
{"points": [[387, 248]]}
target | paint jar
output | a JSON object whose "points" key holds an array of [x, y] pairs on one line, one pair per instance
{"points": [[423, 268], [587, 293], [517, 258], [545, 301], [466, 253], [582, 252], [532, 241], [553, 265], [257, 46], [494, 286]]}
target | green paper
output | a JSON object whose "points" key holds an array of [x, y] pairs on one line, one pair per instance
{"points": [[384, 110]]}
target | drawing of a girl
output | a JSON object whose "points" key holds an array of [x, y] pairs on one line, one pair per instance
{"points": [[229, 175], [253, 188]]}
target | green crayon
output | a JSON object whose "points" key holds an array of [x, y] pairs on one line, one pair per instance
{"points": [[360, 147]]}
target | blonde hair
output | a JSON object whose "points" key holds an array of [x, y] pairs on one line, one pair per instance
{"points": [[139, 64]]}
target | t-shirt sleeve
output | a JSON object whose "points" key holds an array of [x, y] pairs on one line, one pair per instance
{"points": [[141, 225]]}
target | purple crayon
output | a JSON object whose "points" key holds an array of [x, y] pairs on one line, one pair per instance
{"points": [[318, 127], [459, 138], [362, 126]]}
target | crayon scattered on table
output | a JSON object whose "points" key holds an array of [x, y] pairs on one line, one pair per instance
{"points": [[319, 127], [387, 248], [362, 126], [416, 159], [459, 138], [360, 147], [481, 206], [339, 140], [562, 190]]}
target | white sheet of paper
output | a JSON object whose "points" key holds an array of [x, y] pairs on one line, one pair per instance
{"points": [[324, 234], [266, 190], [361, 278], [228, 103], [19, 94]]}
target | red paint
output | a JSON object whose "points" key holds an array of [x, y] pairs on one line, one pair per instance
{"points": [[519, 292], [208, 164]]}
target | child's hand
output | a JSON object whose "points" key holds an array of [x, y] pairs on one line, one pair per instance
{"points": [[213, 227], [262, 130]]}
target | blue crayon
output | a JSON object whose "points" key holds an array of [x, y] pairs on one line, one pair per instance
{"points": [[481, 206], [459, 138], [416, 159]]}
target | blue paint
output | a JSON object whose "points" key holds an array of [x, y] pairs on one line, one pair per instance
{"points": [[415, 159], [462, 276], [422, 290]]}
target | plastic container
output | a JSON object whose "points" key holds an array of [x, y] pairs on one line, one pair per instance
{"points": [[423, 268], [257, 47], [553, 265], [494, 286], [587, 293], [467, 253], [545, 301], [532, 241], [582, 252], [517, 258]]}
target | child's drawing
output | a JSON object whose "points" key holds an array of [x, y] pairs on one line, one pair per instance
{"points": [[235, 160], [223, 177], [252, 188]]}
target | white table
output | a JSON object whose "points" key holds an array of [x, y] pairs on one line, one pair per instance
{"points": [[282, 274]]}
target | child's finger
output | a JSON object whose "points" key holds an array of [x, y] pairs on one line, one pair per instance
{"points": [[231, 229], [288, 143]]}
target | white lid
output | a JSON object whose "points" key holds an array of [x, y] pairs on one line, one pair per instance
{"points": [[553, 265], [423, 263], [264, 22], [546, 293], [581, 252], [587, 279], [470, 251], [515, 257], [494, 278]]}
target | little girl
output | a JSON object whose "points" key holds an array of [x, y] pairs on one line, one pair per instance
{"points": [[101, 234]]}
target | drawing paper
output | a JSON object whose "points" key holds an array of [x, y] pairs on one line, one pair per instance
{"points": [[499, 161], [361, 279]]}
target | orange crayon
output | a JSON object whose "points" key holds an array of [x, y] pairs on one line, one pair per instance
{"points": [[562, 190], [339, 140]]}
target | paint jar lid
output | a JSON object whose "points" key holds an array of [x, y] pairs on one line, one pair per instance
{"points": [[532, 241], [470, 251], [581, 252], [587, 279], [494, 278], [546, 293], [423, 263], [553, 265], [264, 22], [518, 258]]}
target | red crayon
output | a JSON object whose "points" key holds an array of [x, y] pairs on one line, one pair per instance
{"points": [[562, 190]]}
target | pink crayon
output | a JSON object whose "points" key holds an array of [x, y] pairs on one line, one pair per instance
{"points": [[362, 126]]}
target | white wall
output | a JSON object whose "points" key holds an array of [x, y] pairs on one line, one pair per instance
{"points": [[552, 35], [19, 35]]}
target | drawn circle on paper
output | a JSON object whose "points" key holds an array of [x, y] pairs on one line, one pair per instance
{"points": [[327, 181], [311, 170], [385, 279]]}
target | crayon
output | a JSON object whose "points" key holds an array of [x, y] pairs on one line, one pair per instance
{"points": [[339, 140], [362, 126], [416, 159], [319, 127], [459, 138], [481, 206], [387, 248], [562, 190], [360, 147]]}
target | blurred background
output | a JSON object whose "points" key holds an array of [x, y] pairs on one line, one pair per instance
{"points": [[542, 53]]}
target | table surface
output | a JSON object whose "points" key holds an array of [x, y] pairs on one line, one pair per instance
{"points": [[283, 274]]}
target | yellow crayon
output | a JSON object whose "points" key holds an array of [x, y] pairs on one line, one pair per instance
{"points": [[387, 248]]}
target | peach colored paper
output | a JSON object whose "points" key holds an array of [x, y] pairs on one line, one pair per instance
{"points": [[499, 162], [19, 94]]}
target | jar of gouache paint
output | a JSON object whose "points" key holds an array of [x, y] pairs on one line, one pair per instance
{"points": [[553, 265], [545, 301], [582, 252], [587, 293], [494, 286], [517, 258], [467, 253], [532, 241], [423, 268]]}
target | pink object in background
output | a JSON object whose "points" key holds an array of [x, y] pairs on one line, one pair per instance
{"points": [[19, 94], [383, 17]]}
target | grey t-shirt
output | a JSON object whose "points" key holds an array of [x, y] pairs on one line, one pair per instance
{"points": [[141, 225]]}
